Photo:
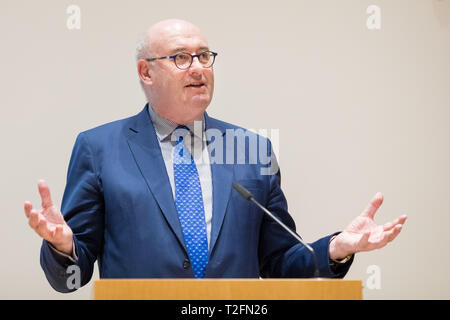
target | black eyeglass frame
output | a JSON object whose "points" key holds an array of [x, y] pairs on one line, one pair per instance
{"points": [[214, 54]]}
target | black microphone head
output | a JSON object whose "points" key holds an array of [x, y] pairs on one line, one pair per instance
{"points": [[247, 195]]}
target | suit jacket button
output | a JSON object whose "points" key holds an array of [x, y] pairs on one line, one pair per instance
{"points": [[186, 263]]}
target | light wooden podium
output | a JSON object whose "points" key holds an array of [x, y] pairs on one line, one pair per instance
{"points": [[227, 289]]}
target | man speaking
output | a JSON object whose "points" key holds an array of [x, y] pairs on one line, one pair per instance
{"points": [[145, 199]]}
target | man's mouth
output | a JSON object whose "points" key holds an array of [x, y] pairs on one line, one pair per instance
{"points": [[196, 85]]}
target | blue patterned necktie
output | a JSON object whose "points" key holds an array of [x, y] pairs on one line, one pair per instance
{"points": [[189, 203]]}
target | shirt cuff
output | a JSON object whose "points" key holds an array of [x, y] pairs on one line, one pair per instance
{"points": [[340, 261], [73, 257]]}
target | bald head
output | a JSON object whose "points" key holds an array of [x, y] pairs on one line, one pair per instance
{"points": [[160, 33]]}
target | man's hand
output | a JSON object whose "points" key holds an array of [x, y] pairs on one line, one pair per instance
{"points": [[363, 234], [48, 221]]}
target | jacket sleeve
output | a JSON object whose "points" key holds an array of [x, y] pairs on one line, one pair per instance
{"points": [[83, 209], [280, 254]]}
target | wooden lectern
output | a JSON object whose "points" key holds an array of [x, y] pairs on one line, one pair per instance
{"points": [[227, 289]]}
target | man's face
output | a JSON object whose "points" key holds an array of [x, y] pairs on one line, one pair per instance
{"points": [[179, 95]]}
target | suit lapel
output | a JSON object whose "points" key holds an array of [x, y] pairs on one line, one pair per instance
{"points": [[222, 178], [144, 145]]}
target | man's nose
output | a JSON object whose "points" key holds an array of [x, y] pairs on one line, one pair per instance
{"points": [[196, 63], [196, 66]]}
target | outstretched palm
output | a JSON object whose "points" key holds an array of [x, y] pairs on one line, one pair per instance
{"points": [[363, 234], [48, 222]]}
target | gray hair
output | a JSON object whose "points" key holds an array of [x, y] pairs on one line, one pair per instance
{"points": [[142, 46], [142, 51]]}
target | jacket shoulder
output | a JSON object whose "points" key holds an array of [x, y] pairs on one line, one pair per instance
{"points": [[109, 127]]}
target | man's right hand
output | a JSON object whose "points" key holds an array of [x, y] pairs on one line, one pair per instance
{"points": [[48, 222]]}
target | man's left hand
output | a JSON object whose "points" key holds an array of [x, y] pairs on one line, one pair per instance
{"points": [[363, 234]]}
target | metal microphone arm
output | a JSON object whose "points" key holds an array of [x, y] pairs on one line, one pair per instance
{"points": [[248, 196]]}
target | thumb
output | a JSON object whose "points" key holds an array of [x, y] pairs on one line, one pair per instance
{"points": [[44, 191], [373, 206]]}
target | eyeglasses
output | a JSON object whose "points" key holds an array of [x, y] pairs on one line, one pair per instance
{"points": [[184, 60]]}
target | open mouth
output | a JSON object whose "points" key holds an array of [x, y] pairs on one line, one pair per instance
{"points": [[195, 85]]}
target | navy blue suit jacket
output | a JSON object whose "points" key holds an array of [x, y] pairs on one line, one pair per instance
{"points": [[118, 202]]}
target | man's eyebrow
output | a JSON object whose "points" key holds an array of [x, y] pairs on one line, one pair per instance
{"points": [[183, 49]]}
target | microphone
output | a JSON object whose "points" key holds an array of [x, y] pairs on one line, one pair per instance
{"points": [[247, 195]]}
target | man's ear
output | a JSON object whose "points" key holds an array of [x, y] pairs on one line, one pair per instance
{"points": [[144, 72]]}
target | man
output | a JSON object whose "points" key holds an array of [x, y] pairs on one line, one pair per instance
{"points": [[133, 205]]}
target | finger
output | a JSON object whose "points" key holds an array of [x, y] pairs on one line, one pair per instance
{"points": [[27, 207], [390, 225], [384, 239], [44, 230], [395, 232], [58, 232], [373, 206], [34, 219], [402, 219], [44, 191], [388, 236]]}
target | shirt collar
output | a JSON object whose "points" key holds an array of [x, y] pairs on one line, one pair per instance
{"points": [[164, 127]]}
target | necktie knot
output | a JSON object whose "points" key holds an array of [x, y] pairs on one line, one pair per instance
{"points": [[181, 126], [182, 154], [180, 132]]}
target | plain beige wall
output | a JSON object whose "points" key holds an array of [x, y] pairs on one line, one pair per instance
{"points": [[359, 111]]}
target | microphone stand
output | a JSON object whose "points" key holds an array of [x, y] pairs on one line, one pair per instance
{"points": [[247, 195]]}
